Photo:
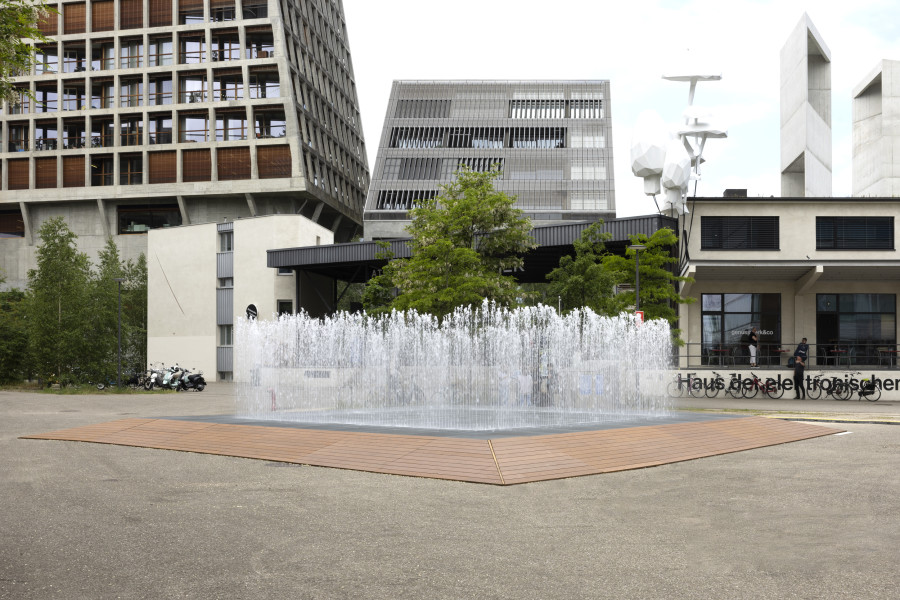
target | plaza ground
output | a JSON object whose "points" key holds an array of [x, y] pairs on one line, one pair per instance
{"points": [[809, 519]]}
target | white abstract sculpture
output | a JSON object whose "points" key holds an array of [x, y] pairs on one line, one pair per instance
{"points": [[672, 164], [648, 150]]}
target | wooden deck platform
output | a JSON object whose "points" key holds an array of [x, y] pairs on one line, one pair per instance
{"points": [[501, 461]]}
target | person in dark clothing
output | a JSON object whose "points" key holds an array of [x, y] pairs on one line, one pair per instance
{"points": [[802, 349], [752, 340], [799, 368]]}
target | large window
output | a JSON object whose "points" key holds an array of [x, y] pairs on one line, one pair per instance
{"points": [[854, 233], [855, 328], [140, 219], [739, 233], [727, 319]]}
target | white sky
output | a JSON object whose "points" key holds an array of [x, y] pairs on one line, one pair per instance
{"points": [[631, 44]]}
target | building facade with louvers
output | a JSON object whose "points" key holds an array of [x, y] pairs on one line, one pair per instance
{"points": [[158, 113]]}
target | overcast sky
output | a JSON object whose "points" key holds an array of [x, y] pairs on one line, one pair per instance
{"points": [[631, 44]]}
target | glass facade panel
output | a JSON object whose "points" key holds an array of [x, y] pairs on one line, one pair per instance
{"points": [[856, 329], [727, 320]]}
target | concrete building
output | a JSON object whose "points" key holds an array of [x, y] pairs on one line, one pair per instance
{"points": [[876, 132], [805, 113], [159, 113], [190, 317], [552, 140]]}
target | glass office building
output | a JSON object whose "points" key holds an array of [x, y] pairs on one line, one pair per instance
{"points": [[551, 139]]}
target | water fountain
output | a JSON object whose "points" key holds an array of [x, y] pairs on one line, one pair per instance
{"points": [[483, 369]]}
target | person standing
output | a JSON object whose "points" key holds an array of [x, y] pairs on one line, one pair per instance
{"points": [[802, 350], [799, 368], [752, 341]]}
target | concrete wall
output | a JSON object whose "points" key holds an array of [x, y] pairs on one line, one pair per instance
{"points": [[182, 285], [876, 132]]}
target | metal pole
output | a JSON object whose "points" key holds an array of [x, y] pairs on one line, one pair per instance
{"points": [[637, 280]]}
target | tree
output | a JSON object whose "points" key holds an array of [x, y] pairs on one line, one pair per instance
{"points": [[13, 337], [659, 294], [134, 314], [58, 303], [18, 23], [583, 280], [462, 242]]}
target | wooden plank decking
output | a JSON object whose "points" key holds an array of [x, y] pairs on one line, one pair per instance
{"points": [[501, 461]]}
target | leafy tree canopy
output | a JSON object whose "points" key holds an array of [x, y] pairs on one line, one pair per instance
{"points": [[462, 242], [18, 24]]}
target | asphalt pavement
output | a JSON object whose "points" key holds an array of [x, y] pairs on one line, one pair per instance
{"points": [[812, 519]]}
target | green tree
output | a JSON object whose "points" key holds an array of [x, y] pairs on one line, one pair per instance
{"points": [[13, 336], [58, 304], [18, 24], [462, 242], [659, 292], [583, 280], [134, 314]]}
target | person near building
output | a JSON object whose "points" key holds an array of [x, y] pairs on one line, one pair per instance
{"points": [[799, 368], [802, 350], [752, 341]]}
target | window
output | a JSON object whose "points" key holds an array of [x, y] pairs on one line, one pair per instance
{"points": [[855, 328], [260, 44], [226, 335], [102, 93], [73, 97], [103, 15], [103, 56], [102, 133], [18, 174], [727, 319], [160, 13], [417, 137], [74, 57], [47, 59], [191, 48], [402, 199], [264, 84], [141, 218], [131, 14], [285, 271], [221, 10], [739, 233], [537, 109], [227, 85], [192, 88], [161, 90], [285, 307], [225, 46], [586, 109], [47, 97], [132, 54], [270, 124], [537, 137], [588, 169], [255, 9], [131, 170], [101, 171], [73, 134], [73, 18], [45, 135], [132, 129], [21, 104], [230, 126], [854, 233], [44, 173], [160, 129], [190, 11], [226, 242], [131, 93], [193, 127], [18, 137], [11, 224], [160, 51]]}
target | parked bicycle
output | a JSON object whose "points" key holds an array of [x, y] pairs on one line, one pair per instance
{"points": [[769, 387], [688, 384], [733, 388], [866, 388]]}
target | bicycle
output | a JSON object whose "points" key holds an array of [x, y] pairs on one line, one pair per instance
{"points": [[835, 387], [769, 388], [867, 389], [733, 388], [689, 384]]}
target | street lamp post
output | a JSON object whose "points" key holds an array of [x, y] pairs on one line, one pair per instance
{"points": [[119, 281], [637, 274]]}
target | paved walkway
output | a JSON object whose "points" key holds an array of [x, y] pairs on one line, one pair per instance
{"points": [[810, 520]]}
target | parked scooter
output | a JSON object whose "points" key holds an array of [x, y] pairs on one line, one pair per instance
{"points": [[172, 378], [193, 381], [154, 376]]}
